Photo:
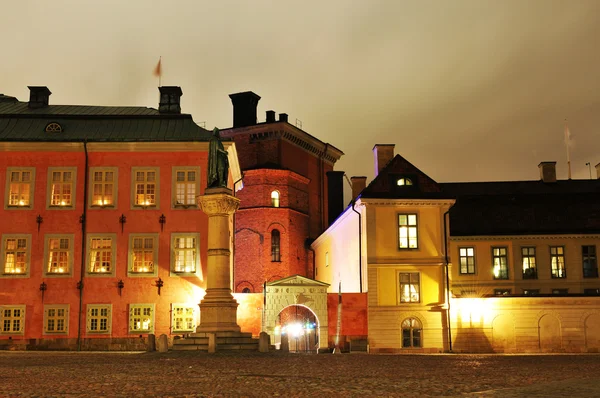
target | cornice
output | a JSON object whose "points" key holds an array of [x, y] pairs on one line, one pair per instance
{"points": [[406, 202], [281, 172], [524, 237]]}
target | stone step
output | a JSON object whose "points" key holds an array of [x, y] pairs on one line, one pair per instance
{"points": [[237, 347], [190, 341], [190, 347], [236, 340], [220, 334]]}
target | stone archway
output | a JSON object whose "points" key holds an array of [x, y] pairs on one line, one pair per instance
{"points": [[297, 290]]}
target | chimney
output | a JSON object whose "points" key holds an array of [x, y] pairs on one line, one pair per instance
{"points": [[270, 116], [383, 154], [547, 171], [170, 100], [38, 96], [244, 108], [283, 117], [358, 184], [598, 171], [335, 195]]}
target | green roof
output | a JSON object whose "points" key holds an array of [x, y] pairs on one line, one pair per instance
{"points": [[18, 122]]}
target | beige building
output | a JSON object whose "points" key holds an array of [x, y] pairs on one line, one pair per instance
{"points": [[510, 266]]}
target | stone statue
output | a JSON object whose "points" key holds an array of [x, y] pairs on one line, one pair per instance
{"points": [[218, 163]]}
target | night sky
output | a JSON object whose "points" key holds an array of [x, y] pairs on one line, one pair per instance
{"points": [[467, 90]]}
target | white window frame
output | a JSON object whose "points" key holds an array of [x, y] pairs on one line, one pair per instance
{"points": [[50, 315], [175, 183], [130, 262], [134, 171], [91, 308], [103, 184], [133, 318], [71, 205], [67, 273], [410, 283], [3, 253], [197, 270], [21, 318], [474, 256], [112, 250], [184, 317], [9, 171], [409, 228]]}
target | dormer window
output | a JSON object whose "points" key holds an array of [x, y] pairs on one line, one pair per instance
{"points": [[53, 128], [404, 182], [275, 199]]}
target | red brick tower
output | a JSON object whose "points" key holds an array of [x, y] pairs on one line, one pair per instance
{"points": [[284, 198]]}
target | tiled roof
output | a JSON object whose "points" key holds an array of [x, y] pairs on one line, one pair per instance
{"points": [[94, 123], [524, 207]]}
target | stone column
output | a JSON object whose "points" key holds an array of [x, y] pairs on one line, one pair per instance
{"points": [[218, 308]]}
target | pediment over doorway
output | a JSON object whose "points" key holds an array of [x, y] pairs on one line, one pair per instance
{"points": [[297, 280]]}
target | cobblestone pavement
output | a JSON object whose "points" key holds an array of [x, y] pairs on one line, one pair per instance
{"points": [[189, 374]]}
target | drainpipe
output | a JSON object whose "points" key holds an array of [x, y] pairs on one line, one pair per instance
{"points": [[446, 261], [233, 249], [83, 225], [360, 273]]}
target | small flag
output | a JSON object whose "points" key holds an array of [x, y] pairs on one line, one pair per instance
{"points": [[158, 69]]}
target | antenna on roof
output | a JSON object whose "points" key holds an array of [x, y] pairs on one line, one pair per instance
{"points": [[589, 165], [298, 123], [567, 142]]}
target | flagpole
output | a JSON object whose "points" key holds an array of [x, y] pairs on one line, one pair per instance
{"points": [[160, 73], [567, 141]]}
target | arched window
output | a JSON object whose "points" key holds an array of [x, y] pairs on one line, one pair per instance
{"points": [[411, 333], [246, 290], [275, 199], [275, 246], [53, 128], [404, 181]]}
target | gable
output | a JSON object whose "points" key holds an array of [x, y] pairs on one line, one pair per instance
{"points": [[296, 280]]}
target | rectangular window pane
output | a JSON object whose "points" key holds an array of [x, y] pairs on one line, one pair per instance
{"points": [[466, 257]]}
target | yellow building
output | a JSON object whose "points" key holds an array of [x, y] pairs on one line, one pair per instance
{"points": [[510, 266]]}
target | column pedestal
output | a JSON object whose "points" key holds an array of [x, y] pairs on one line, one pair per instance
{"points": [[218, 308]]}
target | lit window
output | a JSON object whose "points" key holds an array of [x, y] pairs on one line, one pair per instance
{"points": [[143, 254], [557, 259], [529, 263], [590, 261], [184, 253], [56, 318], [531, 292], [412, 332], [141, 318], [185, 186], [12, 319], [98, 318], [501, 292], [560, 291], [61, 184], [466, 256], [145, 187], [500, 262], [275, 245], [101, 254], [15, 255], [59, 255], [409, 287], [404, 181], [20, 187], [275, 199], [407, 224], [327, 259], [104, 183], [183, 318]]}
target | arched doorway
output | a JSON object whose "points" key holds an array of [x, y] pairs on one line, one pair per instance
{"points": [[549, 333], [301, 326], [307, 300]]}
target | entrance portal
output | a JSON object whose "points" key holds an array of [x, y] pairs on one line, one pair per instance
{"points": [[294, 305]]}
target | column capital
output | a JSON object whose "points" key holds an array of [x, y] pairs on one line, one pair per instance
{"points": [[218, 204]]}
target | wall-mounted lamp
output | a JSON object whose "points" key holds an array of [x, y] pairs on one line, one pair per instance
{"points": [[159, 284], [122, 220], [43, 288], [120, 285], [39, 220], [162, 220]]}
